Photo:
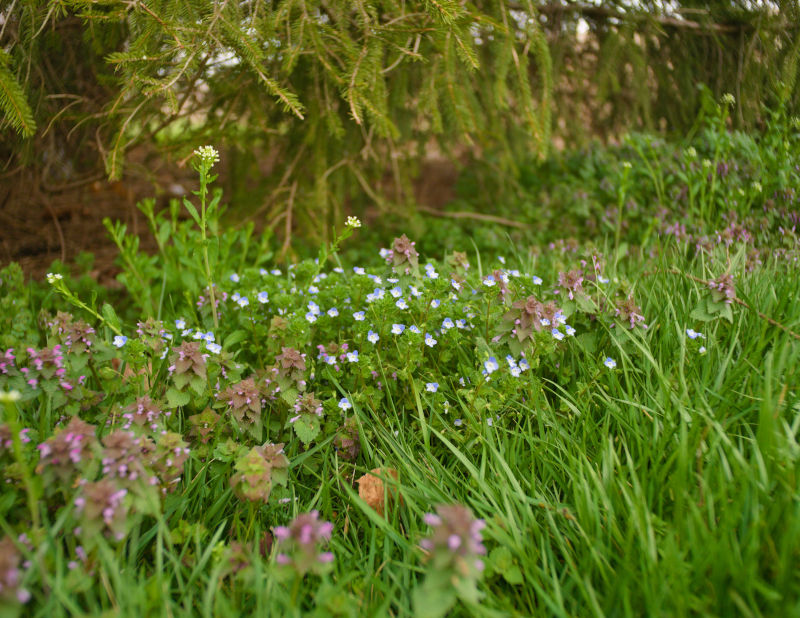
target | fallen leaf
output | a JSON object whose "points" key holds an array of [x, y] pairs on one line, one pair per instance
{"points": [[371, 488]]}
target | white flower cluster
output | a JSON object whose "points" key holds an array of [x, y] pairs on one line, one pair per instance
{"points": [[207, 154], [353, 222]]}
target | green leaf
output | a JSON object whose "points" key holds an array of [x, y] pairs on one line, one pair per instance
{"points": [[235, 337], [701, 312], [110, 316], [198, 385], [192, 210], [307, 428], [177, 398]]}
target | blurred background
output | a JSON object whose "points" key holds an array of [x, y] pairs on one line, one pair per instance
{"points": [[401, 113]]}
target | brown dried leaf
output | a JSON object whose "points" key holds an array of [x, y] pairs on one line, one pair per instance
{"points": [[371, 488]]}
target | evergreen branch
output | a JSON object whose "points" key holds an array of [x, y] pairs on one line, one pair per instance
{"points": [[12, 100]]}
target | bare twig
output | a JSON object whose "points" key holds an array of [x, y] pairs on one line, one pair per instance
{"points": [[478, 216]]}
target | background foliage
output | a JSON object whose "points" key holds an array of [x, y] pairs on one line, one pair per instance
{"points": [[326, 106]]}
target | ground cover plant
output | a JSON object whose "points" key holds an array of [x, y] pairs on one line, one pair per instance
{"points": [[603, 425]]}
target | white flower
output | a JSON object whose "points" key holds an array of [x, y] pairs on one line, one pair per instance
{"points": [[344, 404], [180, 323], [402, 304], [557, 334], [447, 324], [435, 303], [488, 281], [537, 280], [372, 337], [702, 350], [207, 154], [235, 278], [570, 331], [243, 301], [214, 347], [10, 396], [358, 316], [53, 277], [120, 340], [692, 334], [310, 317], [396, 291], [610, 363], [352, 222], [263, 298], [333, 312], [352, 357], [491, 365], [432, 387], [429, 340], [414, 329], [397, 329]]}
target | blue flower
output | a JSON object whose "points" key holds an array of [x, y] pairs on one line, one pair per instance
{"points": [[310, 317], [333, 312], [488, 281], [491, 365], [313, 289], [402, 304], [432, 387], [372, 337], [447, 324], [396, 291], [570, 331], [313, 308], [537, 280], [263, 297], [397, 329], [435, 303], [457, 422], [414, 329], [352, 357], [557, 334], [414, 291], [456, 285], [344, 404], [523, 365], [692, 334], [214, 347], [516, 372], [602, 279], [235, 278], [180, 323], [276, 272], [461, 324], [359, 271], [209, 337], [120, 340], [429, 340], [243, 301], [610, 362], [358, 316], [701, 350]]}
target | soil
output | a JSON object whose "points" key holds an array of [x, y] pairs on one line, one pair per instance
{"points": [[42, 221]]}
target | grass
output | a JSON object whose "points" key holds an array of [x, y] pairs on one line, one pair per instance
{"points": [[667, 485]]}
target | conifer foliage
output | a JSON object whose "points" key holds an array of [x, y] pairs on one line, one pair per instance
{"points": [[338, 90]]}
